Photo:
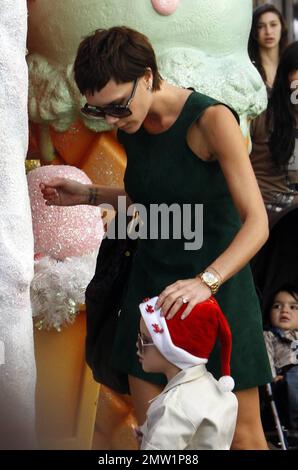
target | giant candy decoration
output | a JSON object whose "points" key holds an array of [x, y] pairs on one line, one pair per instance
{"points": [[66, 241], [61, 232], [199, 43]]}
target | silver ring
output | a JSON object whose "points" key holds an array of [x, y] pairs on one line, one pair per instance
{"points": [[184, 300]]}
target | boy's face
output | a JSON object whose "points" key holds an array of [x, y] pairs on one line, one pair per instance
{"points": [[149, 356], [284, 311]]}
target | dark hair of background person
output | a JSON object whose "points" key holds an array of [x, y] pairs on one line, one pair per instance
{"points": [[253, 45], [291, 288], [281, 114], [118, 53]]}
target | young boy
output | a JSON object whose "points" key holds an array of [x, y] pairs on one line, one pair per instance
{"points": [[281, 338], [194, 411]]}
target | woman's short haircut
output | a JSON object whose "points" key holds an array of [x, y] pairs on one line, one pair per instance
{"points": [[118, 53]]}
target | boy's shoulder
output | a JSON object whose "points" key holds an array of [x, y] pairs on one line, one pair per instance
{"points": [[188, 397], [280, 334]]}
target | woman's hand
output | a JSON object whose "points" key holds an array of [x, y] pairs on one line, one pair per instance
{"points": [[189, 291], [65, 192]]}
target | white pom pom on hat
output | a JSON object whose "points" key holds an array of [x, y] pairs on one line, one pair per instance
{"points": [[189, 342], [226, 383]]}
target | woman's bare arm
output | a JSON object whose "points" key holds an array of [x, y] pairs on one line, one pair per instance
{"points": [[66, 192], [224, 139]]}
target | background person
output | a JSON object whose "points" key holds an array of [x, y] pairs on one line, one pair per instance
{"points": [[274, 159], [274, 136], [268, 39], [281, 338]]}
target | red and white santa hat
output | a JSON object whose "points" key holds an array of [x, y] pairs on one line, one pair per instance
{"points": [[189, 342]]}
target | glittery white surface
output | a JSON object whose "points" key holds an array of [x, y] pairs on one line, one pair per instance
{"points": [[17, 374], [58, 289], [66, 241], [62, 232], [202, 44]]}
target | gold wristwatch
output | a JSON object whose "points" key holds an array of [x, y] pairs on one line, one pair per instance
{"points": [[211, 280]]}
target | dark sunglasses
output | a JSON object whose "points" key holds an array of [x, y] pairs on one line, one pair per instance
{"points": [[115, 110], [143, 343]]}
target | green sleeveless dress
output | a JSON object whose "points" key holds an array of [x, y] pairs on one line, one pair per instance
{"points": [[162, 169]]}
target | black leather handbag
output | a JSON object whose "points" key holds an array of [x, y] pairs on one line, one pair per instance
{"points": [[103, 301]]}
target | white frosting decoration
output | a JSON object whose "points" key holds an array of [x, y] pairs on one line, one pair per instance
{"points": [[203, 45], [58, 289], [17, 374]]}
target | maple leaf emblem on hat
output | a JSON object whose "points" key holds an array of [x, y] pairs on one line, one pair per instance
{"points": [[149, 309], [157, 328]]}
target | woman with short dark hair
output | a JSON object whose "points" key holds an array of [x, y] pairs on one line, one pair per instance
{"points": [[183, 148]]}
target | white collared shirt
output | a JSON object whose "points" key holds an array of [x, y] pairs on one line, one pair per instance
{"points": [[190, 413]]}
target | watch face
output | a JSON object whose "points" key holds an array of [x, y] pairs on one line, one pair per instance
{"points": [[209, 278]]}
